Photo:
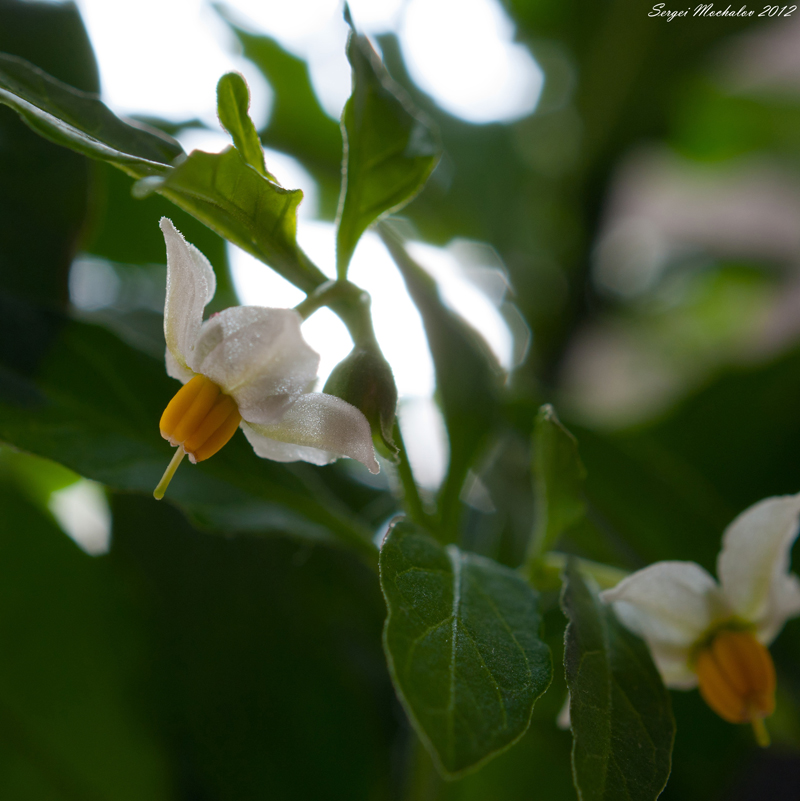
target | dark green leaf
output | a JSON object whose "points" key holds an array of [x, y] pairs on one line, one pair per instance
{"points": [[267, 677], [390, 150], [45, 188], [76, 394], [233, 104], [73, 660], [462, 644], [620, 711], [244, 207], [78, 120], [558, 476], [466, 376]]}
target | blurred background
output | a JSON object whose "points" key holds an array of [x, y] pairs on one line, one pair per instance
{"points": [[616, 214]]}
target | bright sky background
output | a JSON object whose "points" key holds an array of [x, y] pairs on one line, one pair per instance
{"points": [[459, 51]]}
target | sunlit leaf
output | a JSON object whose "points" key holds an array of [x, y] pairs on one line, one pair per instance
{"points": [[462, 644], [297, 125], [390, 150], [233, 199], [620, 711], [79, 120], [233, 104]]}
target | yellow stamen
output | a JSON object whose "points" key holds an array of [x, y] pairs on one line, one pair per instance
{"points": [[200, 419], [737, 679]]}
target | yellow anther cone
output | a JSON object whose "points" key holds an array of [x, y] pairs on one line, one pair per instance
{"points": [[199, 420], [737, 679]]}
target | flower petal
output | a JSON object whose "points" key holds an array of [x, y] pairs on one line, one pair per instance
{"points": [[753, 565], [316, 428], [176, 369], [268, 448], [253, 353], [190, 286], [670, 605]]}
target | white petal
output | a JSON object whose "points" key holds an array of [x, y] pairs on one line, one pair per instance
{"points": [[753, 565], [253, 352], [673, 665], [190, 286], [177, 370], [320, 428], [268, 448], [670, 605]]}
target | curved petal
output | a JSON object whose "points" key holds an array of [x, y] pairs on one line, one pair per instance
{"points": [[253, 353], [753, 565], [673, 665], [268, 448], [320, 428], [176, 369], [190, 286], [670, 605]]}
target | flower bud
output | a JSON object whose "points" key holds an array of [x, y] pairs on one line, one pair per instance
{"points": [[364, 379]]}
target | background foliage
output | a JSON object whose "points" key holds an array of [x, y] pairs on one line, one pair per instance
{"points": [[229, 644]]}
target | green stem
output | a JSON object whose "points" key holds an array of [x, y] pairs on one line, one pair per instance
{"points": [[413, 501], [348, 301], [423, 782]]}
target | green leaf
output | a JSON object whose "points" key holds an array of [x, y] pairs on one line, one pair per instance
{"points": [[73, 663], [462, 646], [558, 478], [244, 207], [467, 377], [40, 229], [78, 120], [233, 104], [390, 149], [620, 711], [267, 679], [298, 125], [74, 393]]}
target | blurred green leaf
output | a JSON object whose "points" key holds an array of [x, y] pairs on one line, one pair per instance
{"points": [[466, 377], [461, 639], [71, 720], [620, 711], [558, 477], [78, 120], [390, 149], [231, 198], [44, 189], [75, 393], [37, 478], [267, 679], [233, 104]]}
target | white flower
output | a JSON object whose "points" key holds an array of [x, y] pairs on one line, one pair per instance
{"points": [[695, 626], [247, 366]]}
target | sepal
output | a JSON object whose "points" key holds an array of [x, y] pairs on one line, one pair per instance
{"points": [[364, 379]]}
